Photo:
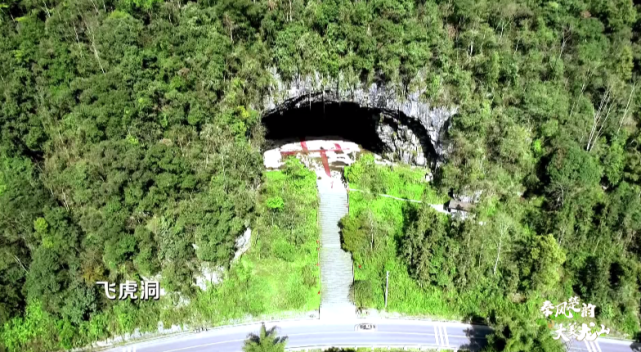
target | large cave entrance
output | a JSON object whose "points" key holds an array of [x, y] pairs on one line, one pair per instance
{"points": [[389, 134], [322, 121]]}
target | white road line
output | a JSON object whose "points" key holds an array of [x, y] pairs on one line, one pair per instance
{"points": [[207, 344], [587, 344], [436, 333], [315, 333], [442, 339], [447, 341], [596, 346]]}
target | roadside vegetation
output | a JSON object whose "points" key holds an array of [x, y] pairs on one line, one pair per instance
{"points": [[446, 268], [265, 341], [373, 232], [277, 275], [131, 147]]}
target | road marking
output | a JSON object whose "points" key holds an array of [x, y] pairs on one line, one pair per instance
{"points": [[436, 333], [383, 346], [377, 332], [441, 335], [207, 344], [596, 344], [593, 346], [447, 341]]}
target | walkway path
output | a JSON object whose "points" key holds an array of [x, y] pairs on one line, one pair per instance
{"points": [[327, 158], [438, 207], [336, 265]]}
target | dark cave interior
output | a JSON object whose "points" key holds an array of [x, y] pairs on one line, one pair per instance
{"points": [[346, 121]]}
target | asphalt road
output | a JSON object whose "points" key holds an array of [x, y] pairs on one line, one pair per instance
{"points": [[315, 333]]}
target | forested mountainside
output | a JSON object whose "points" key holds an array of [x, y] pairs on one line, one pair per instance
{"points": [[130, 130]]}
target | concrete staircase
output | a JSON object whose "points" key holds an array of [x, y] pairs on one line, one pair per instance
{"points": [[336, 265]]}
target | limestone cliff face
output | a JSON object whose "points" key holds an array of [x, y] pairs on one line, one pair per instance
{"points": [[413, 131]]}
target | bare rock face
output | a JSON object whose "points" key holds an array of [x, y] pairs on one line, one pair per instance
{"points": [[208, 275], [412, 130], [242, 244], [403, 144], [213, 275]]}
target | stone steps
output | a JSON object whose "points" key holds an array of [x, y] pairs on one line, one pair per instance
{"points": [[336, 265]]}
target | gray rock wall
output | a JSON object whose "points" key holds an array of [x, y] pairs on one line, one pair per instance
{"points": [[410, 125]]}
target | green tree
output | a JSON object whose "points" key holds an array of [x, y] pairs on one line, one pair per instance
{"points": [[36, 331], [275, 204], [542, 266], [428, 250], [362, 293], [355, 237], [265, 341], [521, 335], [128, 147]]}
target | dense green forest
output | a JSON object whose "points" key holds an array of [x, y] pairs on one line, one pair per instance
{"points": [[130, 131], [428, 254]]}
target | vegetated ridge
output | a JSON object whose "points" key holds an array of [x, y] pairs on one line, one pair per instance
{"points": [[130, 131]]}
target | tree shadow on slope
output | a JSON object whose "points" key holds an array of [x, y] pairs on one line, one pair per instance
{"points": [[477, 335], [636, 345]]}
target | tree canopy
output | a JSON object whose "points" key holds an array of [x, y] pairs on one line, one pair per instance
{"points": [[130, 146]]}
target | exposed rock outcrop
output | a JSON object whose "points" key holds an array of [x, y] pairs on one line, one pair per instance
{"points": [[411, 129], [208, 275], [214, 274], [242, 244]]}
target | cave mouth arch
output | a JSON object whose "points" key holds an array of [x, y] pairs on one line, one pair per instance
{"points": [[388, 133], [347, 121]]}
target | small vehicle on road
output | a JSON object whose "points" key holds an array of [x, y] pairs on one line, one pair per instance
{"points": [[365, 327]]}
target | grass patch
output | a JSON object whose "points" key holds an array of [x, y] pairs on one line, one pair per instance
{"points": [[400, 181], [390, 218], [279, 272], [405, 295], [276, 277], [385, 222]]}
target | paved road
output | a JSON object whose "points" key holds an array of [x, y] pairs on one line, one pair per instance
{"points": [[315, 333]]}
